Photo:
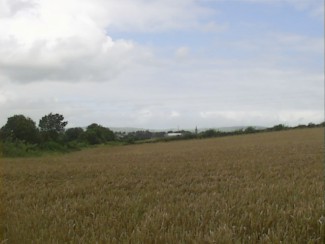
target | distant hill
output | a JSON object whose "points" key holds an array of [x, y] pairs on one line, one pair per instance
{"points": [[227, 129], [235, 128], [223, 129], [126, 129]]}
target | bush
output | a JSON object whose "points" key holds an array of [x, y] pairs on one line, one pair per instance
{"points": [[209, 133], [18, 149], [250, 129], [97, 134], [311, 125], [92, 137], [278, 127], [53, 146], [20, 128], [76, 145], [73, 134]]}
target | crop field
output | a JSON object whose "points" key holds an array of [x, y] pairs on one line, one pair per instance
{"points": [[258, 188]]}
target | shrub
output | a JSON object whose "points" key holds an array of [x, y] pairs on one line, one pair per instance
{"points": [[97, 134], [18, 149], [19, 127], [250, 129], [53, 146], [278, 127], [209, 133], [73, 134], [76, 145]]}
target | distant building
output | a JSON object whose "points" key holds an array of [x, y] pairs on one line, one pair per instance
{"points": [[171, 134]]}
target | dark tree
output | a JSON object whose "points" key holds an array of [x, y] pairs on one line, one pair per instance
{"points": [[73, 134], [52, 126], [97, 134], [209, 133], [311, 125], [19, 127], [278, 127], [250, 129]]}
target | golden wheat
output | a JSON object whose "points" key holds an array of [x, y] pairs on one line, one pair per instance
{"points": [[261, 188]]}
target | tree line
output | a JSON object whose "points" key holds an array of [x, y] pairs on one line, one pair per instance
{"points": [[20, 136]]}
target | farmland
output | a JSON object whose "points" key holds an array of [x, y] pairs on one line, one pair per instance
{"points": [[259, 188]]}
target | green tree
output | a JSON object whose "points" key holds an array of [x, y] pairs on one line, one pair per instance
{"points": [[311, 125], [250, 129], [19, 127], [210, 133], [73, 134], [97, 134], [279, 127], [52, 126]]}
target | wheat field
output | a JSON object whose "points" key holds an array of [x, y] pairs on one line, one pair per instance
{"points": [[259, 188]]}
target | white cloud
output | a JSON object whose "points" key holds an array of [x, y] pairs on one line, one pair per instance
{"points": [[318, 11], [155, 15], [268, 118], [66, 44], [4, 97], [314, 7], [275, 43], [174, 114], [299, 43], [182, 52], [59, 40], [212, 26], [67, 40]]}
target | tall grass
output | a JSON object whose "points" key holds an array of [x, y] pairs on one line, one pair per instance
{"points": [[261, 188]]}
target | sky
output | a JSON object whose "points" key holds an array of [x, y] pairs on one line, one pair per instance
{"points": [[158, 64]]}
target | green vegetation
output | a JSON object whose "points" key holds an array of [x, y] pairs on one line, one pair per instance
{"points": [[97, 134], [20, 128], [52, 127], [20, 137]]}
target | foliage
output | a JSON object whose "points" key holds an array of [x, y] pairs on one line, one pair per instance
{"points": [[97, 134], [74, 134], [75, 145], [18, 148], [52, 126], [142, 135], [19, 127], [311, 125], [52, 136], [250, 129], [278, 127], [209, 133], [53, 146], [188, 135]]}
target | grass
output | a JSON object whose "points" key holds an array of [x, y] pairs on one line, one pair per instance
{"points": [[260, 188]]}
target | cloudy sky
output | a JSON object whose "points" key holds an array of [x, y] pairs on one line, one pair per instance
{"points": [[163, 63]]}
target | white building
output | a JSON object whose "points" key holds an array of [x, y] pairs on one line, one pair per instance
{"points": [[171, 134]]}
